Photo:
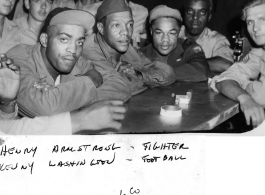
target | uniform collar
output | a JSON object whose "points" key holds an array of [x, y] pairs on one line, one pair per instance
{"points": [[204, 33], [99, 41], [9, 22], [152, 53], [8, 25], [129, 55], [41, 67], [23, 23]]}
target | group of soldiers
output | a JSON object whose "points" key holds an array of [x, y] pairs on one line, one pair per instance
{"points": [[66, 69]]}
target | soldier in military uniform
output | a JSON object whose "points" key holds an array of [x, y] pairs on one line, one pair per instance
{"points": [[186, 57]]}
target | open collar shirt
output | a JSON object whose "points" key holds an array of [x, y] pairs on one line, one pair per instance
{"points": [[214, 44], [249, 74]]}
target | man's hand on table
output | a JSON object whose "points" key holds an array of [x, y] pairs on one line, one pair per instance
{"points": [[125, 68], [100, 115], [252, 110], [9, 78]]}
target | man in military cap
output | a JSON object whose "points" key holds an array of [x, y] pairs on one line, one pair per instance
{"points": [[186, 57], [56, 62], [100, 115], [110, 49], [139, 14]]}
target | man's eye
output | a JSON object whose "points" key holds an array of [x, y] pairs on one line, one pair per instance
{"points": [[202, 13], [49, 1], [80, 43], [116, 25], [131, 25], [262, 19], [173, 33], [249, 22], [189, 11], [158, 33], [64, 40]]}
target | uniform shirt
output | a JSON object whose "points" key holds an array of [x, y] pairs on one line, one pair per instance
{"points": [[187, 60], [64, 3], [246, 73], [74, 91], [26, 35], [214, 44], [59, 124], [139, 13], [154, 73], [10, 36], [17, 32]]}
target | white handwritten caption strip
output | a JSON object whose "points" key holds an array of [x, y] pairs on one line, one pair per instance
{"points": [[111, 164]]}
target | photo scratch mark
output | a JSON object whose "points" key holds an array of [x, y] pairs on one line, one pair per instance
{"points": [[129, 159], [1, 141]]}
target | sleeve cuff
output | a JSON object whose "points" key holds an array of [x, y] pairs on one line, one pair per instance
{"points": [[5, 116], [60, 124]]}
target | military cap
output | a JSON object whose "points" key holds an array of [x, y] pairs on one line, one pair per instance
{"points": [[164, 11], [64, 15], [112, 6]]}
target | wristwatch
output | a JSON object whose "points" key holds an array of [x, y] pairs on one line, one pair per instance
{"points": [[6, 102]]}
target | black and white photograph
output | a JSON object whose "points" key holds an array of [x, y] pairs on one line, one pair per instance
{"points": [[138, 97]]}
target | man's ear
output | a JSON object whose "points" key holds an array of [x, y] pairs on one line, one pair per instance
{"points": [[43, 39], [210, 16], [151, 31], [27, 4], [100, 28]]}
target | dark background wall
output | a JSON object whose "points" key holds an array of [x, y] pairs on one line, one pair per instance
{"points": [[225, 18]]}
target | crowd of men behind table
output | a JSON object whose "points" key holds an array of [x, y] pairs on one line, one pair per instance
{"points": [[68, 66]]}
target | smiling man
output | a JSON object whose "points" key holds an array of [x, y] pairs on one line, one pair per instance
{"points": [[110, 49], [185, 57], [197, 14], [245, 81], [55, 61]]}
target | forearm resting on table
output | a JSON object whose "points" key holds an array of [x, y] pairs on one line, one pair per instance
{"points": [[232, 89], [219, 64]]}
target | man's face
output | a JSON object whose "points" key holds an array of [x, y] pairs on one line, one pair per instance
{"points": [[196, 17], [64, 46], [165, 35], [117, 30], [6, 6], [255, 19], [39, 9]]}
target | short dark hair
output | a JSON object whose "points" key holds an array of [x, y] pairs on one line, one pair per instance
{"points": [[210, 3]]}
